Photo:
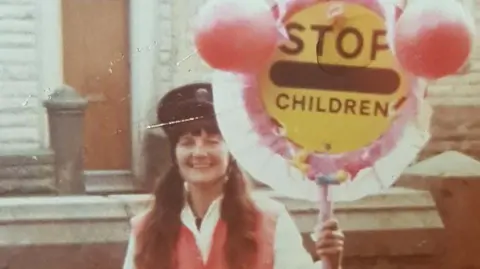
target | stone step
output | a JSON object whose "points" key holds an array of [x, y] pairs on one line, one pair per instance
{"points": [[395, 226], [27, 172]]}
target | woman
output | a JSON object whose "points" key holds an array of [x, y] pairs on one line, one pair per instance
{"points": [[203, 215]]}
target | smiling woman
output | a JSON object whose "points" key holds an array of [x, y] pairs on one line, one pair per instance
{"points": [[201, 156], [204, 215]]}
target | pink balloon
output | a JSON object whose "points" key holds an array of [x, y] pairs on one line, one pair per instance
{"points": [[433, 39], [235, 36]]}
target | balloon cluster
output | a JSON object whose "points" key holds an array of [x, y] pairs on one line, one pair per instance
{"points": [[432, 38]]}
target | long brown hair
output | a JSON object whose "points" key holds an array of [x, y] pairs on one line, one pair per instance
{"points": [[160, 231]]}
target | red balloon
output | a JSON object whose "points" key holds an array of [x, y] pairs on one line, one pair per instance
{"points": [[236, 36], [433, 39]]}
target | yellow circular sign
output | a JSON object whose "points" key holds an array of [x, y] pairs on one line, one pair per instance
{"points": [[333, 86]]}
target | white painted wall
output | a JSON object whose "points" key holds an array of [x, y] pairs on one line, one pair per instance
{"points": [[50, 56], [19, 76], [143, 46]]}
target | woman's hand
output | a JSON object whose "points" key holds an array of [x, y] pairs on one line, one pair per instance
{"points": [[329, 243]]}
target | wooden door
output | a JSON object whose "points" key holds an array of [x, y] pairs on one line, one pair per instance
{"points": [[96, 63]]}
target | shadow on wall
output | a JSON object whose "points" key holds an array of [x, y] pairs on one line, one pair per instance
{"points": [[156, 158]]}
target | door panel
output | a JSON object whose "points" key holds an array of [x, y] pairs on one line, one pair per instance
{"points": [[96, 63]]}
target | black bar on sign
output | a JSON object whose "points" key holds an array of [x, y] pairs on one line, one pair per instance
{"points": [[315, 76]]}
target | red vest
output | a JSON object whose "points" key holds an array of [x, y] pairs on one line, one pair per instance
{"points": [[188, 254]]}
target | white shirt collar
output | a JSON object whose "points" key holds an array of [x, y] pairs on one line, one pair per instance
{"points": [[212, 214]]}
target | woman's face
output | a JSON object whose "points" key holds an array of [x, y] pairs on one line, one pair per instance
{"points": [[202, 158]]}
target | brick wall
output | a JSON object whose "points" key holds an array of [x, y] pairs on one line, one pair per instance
{"points": [[456, 99], [19, 103]]}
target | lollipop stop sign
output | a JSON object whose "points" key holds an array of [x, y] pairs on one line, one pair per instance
{"points": [[341, 81]]}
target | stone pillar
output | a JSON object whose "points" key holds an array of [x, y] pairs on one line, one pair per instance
{"points": [[66, 110]]}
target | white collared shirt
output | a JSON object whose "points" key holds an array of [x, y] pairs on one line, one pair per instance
{"points": [[288, 250]]}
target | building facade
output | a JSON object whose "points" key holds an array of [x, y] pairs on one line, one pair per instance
{"points": [[123, 56]]}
